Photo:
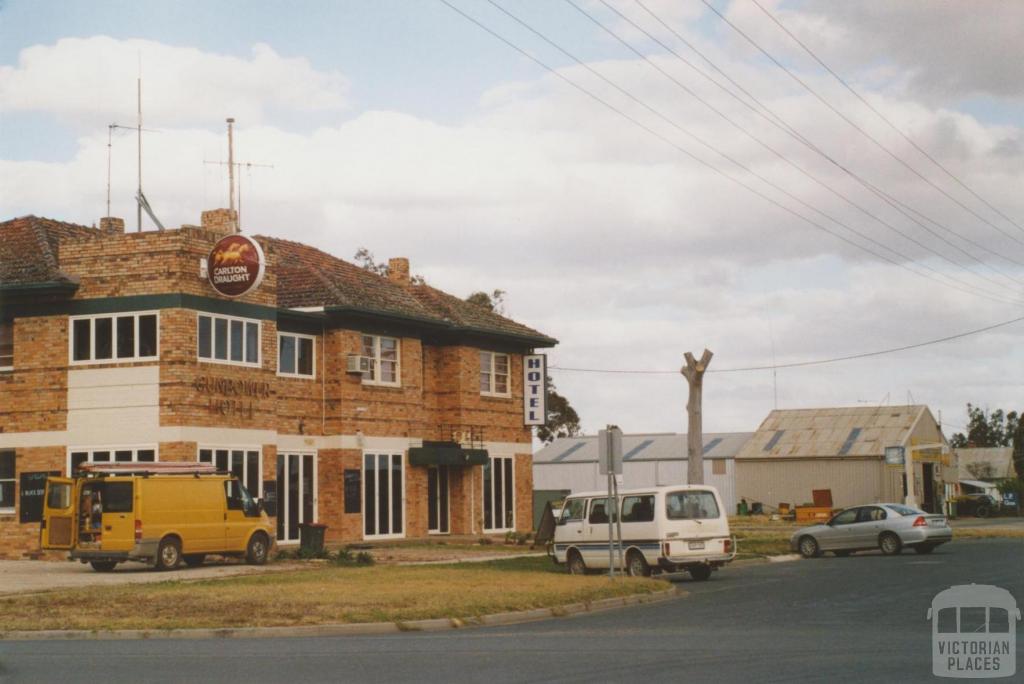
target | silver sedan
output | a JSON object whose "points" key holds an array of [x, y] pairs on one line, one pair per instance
{"points": [[888, 527]]}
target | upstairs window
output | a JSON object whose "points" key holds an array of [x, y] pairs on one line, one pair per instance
{"points": [[494, 374], [382, 355], [225, 339], [6, 345], [114, 338], [127, 454], [295, 355]]}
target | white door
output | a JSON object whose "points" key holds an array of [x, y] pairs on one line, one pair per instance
{"points": [[296, 493]]}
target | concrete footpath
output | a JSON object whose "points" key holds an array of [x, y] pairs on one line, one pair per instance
{"points": [[29, 577]]}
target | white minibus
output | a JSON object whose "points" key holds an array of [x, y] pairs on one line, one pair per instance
{"points": [[669, 529]]}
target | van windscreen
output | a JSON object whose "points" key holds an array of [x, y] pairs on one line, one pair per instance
{"points": [[692, 505]]}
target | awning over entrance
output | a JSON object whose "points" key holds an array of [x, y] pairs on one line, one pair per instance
{"points": [[446, 453]]}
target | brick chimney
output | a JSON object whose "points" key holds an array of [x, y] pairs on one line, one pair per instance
{"points": [[111, 224], [221, 221], [398, 270]]}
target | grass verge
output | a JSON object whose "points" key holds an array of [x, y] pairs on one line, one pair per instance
{"points": [[323, 595]]}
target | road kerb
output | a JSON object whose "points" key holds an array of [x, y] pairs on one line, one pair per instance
{"points": [[349, 629]]}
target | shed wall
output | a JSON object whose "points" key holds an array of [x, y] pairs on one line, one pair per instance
{"points": [[792, 480]]}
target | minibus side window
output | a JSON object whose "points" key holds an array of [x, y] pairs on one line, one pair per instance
{"points": [[599, 512], [117, 497], [638, 509], [573, 510]]}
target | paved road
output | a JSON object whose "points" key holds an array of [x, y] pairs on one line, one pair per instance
{"points": [[831, 619]]}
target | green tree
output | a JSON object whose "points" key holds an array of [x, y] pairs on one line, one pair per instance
{"points": [[987, 430], [1018, 450], [562, 420], [495, 301]]}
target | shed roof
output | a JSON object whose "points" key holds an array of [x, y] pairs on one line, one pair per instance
{"points": [[666, 446], [832, 432]]}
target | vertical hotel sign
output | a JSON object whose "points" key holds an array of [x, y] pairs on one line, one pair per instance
{"points": [[535, 380]]}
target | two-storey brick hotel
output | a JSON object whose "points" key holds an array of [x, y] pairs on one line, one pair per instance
{"points": [[381, 407]]}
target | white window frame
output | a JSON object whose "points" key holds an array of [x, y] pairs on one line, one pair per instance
{"points": [[10, 367], [376, 489], [92, 318], [90, 450], [9, 510], [297, 337], [483, 483], [213, 342], [376, 360], [245, 461], [491, 375], [282, 494]]}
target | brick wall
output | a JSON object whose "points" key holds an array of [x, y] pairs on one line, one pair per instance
{"points": [[439, 385]]}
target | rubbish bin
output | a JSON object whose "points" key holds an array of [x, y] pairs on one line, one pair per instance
{"points": [[311, 537], [741, 508]]}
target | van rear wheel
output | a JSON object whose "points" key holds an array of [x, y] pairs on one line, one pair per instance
{"points": [[194, 560], [636, 564], [103, 566], [701, 572], [574, 563], [168, 554], [257, 550]]}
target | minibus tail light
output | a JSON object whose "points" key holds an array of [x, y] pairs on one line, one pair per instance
{"points": [[138, 530], [727, 546], [920, 522]]}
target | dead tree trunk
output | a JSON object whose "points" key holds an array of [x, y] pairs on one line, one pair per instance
{"points": [[693, 371]]}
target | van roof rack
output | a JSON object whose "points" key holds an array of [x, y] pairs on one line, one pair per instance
{"points": [[166, 468]]}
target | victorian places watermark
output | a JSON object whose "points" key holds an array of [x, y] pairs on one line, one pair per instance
{"points": [[974, 632]]}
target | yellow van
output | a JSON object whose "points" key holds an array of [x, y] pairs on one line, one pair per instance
{"points": [[157, 513]]}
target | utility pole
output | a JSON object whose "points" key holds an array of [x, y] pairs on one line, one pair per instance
{"points": [[693, 371]]}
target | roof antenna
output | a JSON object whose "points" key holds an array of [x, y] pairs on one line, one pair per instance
{"points": [[140, 199], [110, 134], [231, 164]]}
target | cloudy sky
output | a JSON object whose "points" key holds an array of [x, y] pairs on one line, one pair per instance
{"points": [[638, 201]]}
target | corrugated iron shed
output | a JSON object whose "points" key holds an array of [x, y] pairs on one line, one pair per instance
{"points": [[643, 447], [832, 432]]}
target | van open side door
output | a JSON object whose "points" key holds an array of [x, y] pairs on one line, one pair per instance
{"points": [[58, 528]]}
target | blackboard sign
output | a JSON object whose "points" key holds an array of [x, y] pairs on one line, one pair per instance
{"points": [[32, 489], [270, 497], [353, 502]]}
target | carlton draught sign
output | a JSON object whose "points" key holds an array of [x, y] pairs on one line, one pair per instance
{"points": [[236, 265]]}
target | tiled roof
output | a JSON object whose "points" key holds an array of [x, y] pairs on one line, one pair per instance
{"points": [[29, 249], [469, 316], [832, 432], [309, 277]]}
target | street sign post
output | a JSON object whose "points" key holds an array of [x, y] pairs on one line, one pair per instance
{"points": [[609, 457]]}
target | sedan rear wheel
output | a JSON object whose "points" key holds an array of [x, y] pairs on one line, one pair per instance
{"points": [[890, 544], [809, 547]]}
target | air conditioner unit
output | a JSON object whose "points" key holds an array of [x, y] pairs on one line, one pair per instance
{"points": [[358, 364]]}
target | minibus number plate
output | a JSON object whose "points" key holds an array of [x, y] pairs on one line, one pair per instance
{"points": [[696, 545]]}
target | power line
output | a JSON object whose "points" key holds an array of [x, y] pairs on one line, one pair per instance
{"points": [[772, 150], [879, 114], [771, 117], [859, 129], [800, 364], [974, 289]]}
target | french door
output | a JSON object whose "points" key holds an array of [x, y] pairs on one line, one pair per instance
{"points": [[383, 495], [499, 495], [437, 500], [296, 494]]}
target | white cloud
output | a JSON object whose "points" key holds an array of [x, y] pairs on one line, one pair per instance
{"points": [[90, 81], [604, 237]]}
